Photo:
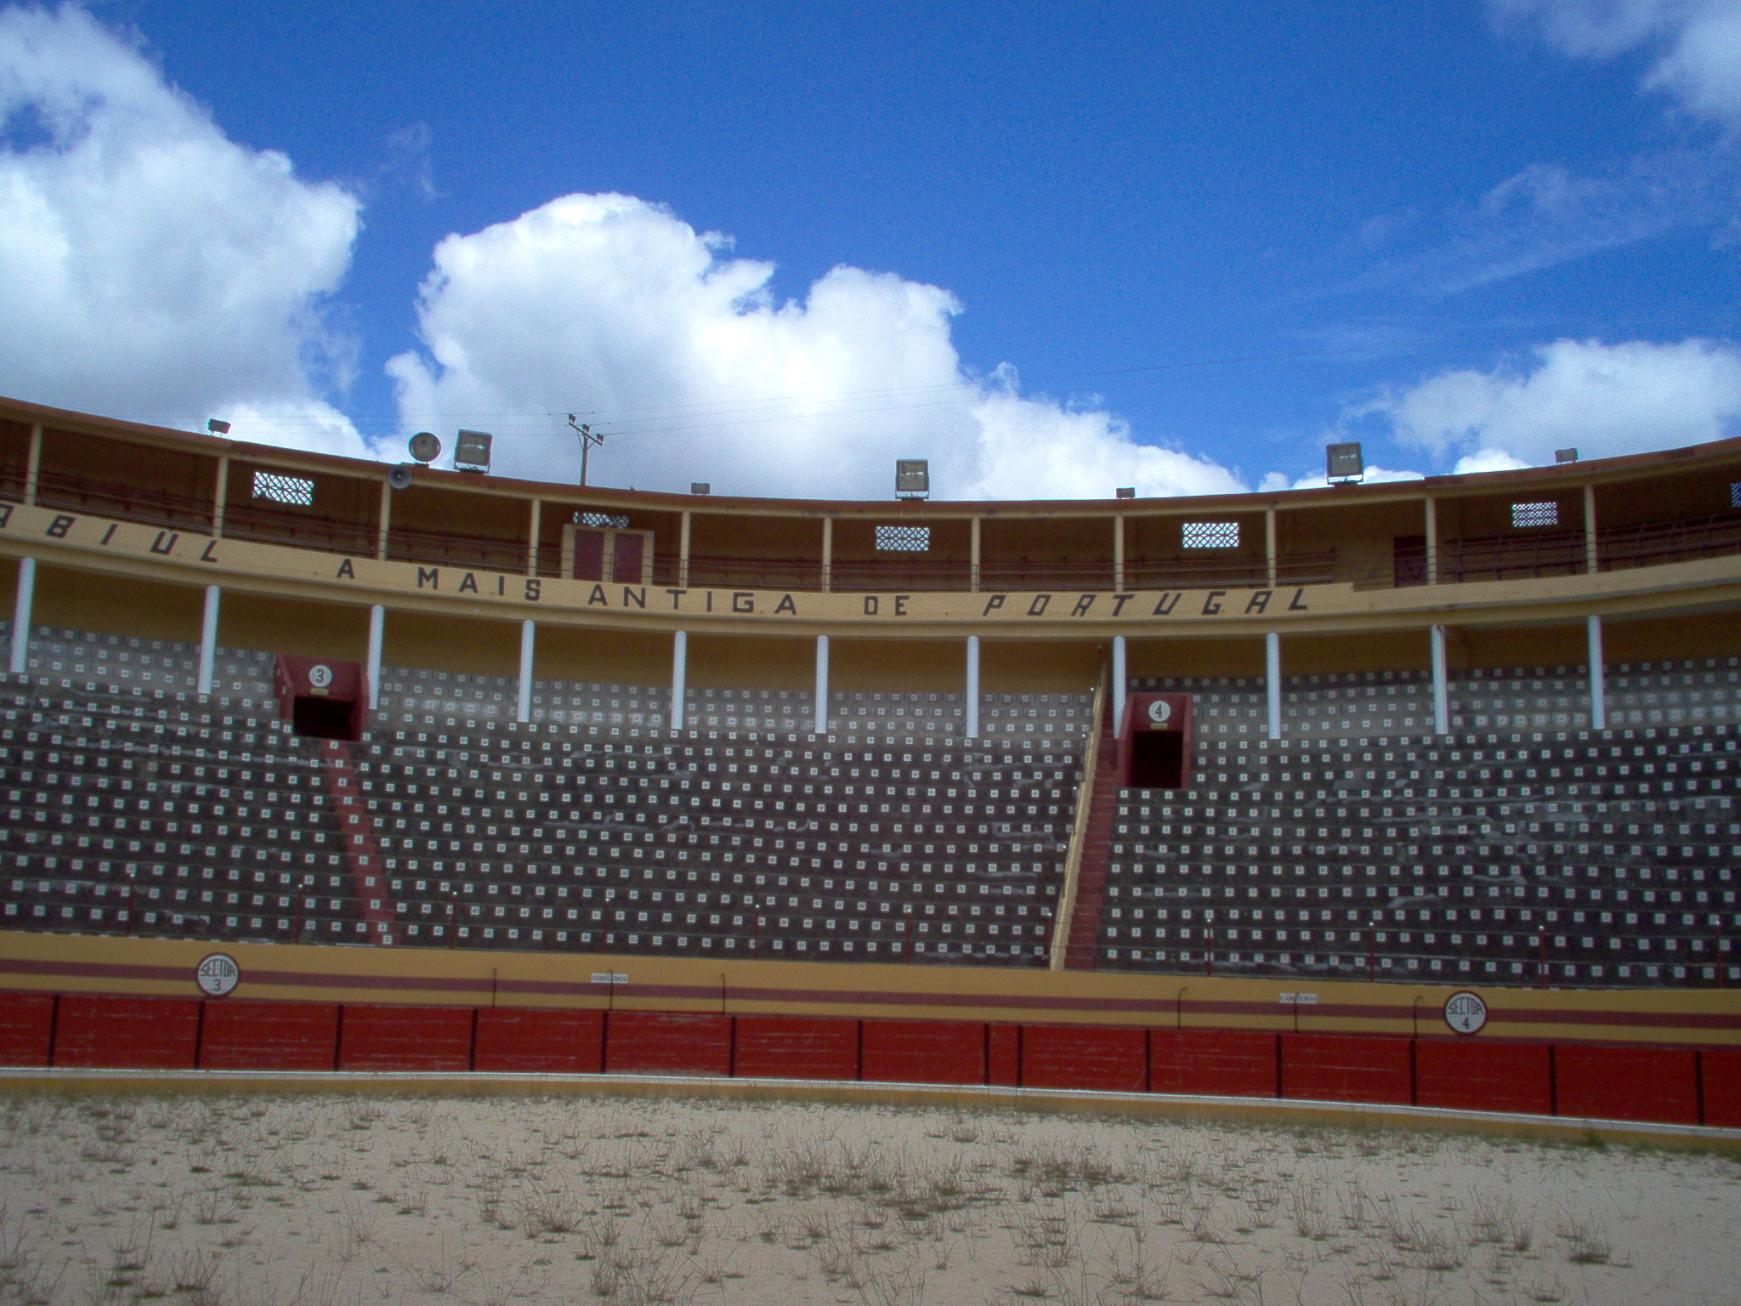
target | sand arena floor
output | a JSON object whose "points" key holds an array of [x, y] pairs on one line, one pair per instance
{"points": [[331, 1200]]}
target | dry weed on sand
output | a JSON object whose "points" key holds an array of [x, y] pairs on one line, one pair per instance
{"points": [[344, 1201]]}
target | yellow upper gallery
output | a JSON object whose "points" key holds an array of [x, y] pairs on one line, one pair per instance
{"points": [[1650, 534]]}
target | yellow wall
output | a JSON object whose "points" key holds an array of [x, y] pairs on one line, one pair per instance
{"points": [[1195, 657], [602, 656], [889, 666], [86, 600], [742, 662], [1318, 655], [1008, 667], [479, 648], [316, 630]]}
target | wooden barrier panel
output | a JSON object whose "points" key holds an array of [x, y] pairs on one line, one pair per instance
{"points": [[243, 1035], [667, 1043], [26, 1026], [1216, 1062], [535, 1040], [1346, 1067], [1470, 1074], [1109, 1058], [1003, 1055], [1720, 1086], [405, 1038], [796, 1047], [1626, 1083], [924, 1052], [115, 1032]]}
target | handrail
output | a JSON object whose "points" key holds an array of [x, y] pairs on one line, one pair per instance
{"points": [[1066, 913]]}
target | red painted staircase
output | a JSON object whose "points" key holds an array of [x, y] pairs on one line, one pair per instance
{"points": [[1096, 851], [368, 876]]}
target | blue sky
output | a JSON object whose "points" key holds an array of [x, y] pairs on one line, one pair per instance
{"points": [[1053, 248]]}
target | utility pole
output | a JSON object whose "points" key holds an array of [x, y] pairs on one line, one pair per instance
{"points": [[587, 439]]}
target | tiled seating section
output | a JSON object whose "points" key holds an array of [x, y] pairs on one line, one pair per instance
{"points": [[795, 847], [872, 713], [128, 663], [1361, 705], [150, 812], [411, 696], [1057, 716], [1595, 858], [1516, 699], [1383, 704], [1674, 693]]}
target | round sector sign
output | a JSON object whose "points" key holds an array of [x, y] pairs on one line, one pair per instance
{"points": [[218, 975], [320, 676], [1160, 712], [1465, 1012]]}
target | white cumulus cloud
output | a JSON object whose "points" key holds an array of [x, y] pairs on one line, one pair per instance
{"points": [[152, 267], [1694, 45], [1598, 398], [683, 357]]}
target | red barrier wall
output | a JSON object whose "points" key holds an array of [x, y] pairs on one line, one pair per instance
{"points": [[1627, 1083], [527, 1040], [242, 1035], [1108, 1058], [1720, 1086], [405, 1038], [26, 1025], [101, 1029], [1469, 1074], [667, 1043], [796, 1047], [1003, 1055], [1217, 1062], [1346, 1067], [924, 1052]]}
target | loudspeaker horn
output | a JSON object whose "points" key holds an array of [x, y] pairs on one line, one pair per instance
{"points": [[399, 478]]}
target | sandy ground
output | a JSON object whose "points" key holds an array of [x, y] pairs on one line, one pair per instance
{"points": [[344, 1200]]}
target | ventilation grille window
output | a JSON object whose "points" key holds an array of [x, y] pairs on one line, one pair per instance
{"points": [[1209, 534], [298, 491], [617, 520], [1735, 494], [903, 539], [1544, 513]]}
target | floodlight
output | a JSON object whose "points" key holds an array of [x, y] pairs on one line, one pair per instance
{"points": [[471, 452], [912, 478], [1126, 492], [425, 446], [1565, 455], [217, 426], [700, 487], [1344, 463]]}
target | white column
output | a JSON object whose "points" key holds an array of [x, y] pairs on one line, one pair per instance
{"points": [[1117, 683], [1598, 689], [377, 623], [21, 616], [528, 642], [822, 684], [679, 670], [1272, 654], [208, 641], [972, 687], [1441, 692]]}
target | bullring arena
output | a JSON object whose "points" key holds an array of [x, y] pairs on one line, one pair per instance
{"points": [[422, 885]]}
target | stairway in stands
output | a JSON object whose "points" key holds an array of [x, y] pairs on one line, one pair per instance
{"points": [[368, 878], [1096, 851]]}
